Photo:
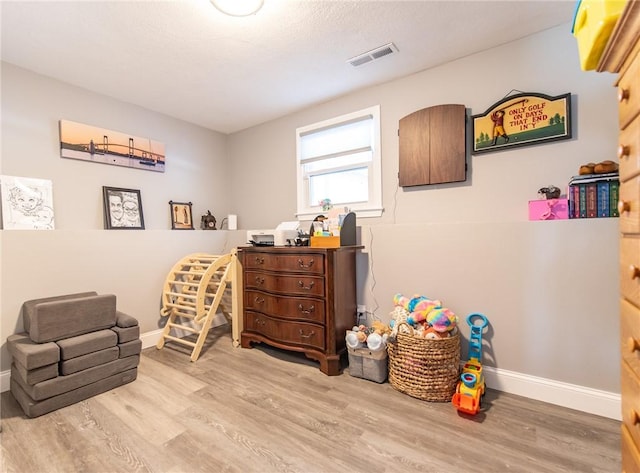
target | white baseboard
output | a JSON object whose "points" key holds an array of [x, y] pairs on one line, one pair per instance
{"points": [[593, 401]]}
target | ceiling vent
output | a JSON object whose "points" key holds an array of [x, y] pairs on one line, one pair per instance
{"points": [[373, 55]]}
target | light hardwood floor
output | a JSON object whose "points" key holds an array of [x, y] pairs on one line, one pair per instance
{"points": [[264, 410]]}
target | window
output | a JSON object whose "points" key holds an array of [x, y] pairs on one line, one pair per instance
{"points": [[339, 159]]}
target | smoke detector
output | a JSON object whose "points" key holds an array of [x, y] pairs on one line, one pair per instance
{"points": [[372, 55]]}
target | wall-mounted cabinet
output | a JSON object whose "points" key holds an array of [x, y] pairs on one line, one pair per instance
{"points": [[433, 146]]}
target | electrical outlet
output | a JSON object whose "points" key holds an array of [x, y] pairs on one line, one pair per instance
{"points": [[362, 309]]}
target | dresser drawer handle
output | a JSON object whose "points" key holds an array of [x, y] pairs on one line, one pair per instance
{"points": [[309, 335], [633, 417], [634, 271], [632, 344], [623, 94], [623, 207], [259, 260], [309, 287], [259, 280], [623, 151], [306, 311], [302, 265], [260, 321], [259, 300]]}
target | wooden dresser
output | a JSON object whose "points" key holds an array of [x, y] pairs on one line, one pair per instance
{"points": [[301, 299], [622, 56]]}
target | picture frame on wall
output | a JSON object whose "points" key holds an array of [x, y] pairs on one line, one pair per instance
{"points": [[522, 120], [181, 216], [27, 203], [122, 209]]}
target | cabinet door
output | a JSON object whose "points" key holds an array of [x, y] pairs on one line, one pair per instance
{"points": [[433, 146]]}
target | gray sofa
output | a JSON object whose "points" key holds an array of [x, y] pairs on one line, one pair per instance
{"points": [[74, 346]]}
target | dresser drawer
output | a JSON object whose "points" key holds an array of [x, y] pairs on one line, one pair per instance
{"points": [[629, 151], [630, 454], [628, 206], [629, 93], [285, 332], [630, 268], [284, 284], [630, 387], [630, 335], [300, 263], [287, 307]]}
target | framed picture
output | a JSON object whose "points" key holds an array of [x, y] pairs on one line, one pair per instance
{"points": [[27, 203], [521, 120], [181, 218], [122, 209]]}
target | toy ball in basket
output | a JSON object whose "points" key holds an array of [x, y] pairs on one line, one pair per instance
{"points": [[424, 349]]}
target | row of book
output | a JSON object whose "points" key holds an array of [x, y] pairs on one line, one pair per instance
{"points": [[594, 195]]}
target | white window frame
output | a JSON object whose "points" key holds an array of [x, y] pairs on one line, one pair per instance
{"points": [[371, 208]]}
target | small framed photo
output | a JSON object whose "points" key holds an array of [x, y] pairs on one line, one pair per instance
{"points": [[181, 217], [122, 209]]}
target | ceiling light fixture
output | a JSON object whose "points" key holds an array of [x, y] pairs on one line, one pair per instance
{"points": [[238, 7]]}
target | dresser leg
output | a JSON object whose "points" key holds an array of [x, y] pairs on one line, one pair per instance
{"points": [[330, 365]]}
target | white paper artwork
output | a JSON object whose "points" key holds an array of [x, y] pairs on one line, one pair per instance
{"points": [[27, 204]]}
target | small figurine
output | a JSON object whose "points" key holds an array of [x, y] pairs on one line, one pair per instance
{"points": [[208, 221], [550, 192]]}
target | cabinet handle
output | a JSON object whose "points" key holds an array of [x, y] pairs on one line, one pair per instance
{"points": [[260, 321], [302, 265], [623, 94], [632, 344], [259, 300], [623, 151], [633, 417], [623, 206], [311, 334], [634, 271], [309, 287], [259, 260], [306, 311], [259, 280]]}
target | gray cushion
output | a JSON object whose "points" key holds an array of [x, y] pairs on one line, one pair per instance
{"points": [[55, 320], [32, 355], [36, 375], [63, 384], [89, 360], [29, 306], [124, 320], [36, 408], [126, 334], [130, 348], [87, 343]]}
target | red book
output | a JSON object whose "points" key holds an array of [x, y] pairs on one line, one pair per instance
{"points": [[592, 200]]}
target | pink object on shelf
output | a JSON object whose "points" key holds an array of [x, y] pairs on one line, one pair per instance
{"points": [[548, 209]]}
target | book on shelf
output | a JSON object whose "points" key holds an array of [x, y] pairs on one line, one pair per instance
{"points": [[593, 195]]}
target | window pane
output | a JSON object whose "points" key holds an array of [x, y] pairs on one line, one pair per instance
{"points": [[332, 140], [341, 187], [340, 161]]}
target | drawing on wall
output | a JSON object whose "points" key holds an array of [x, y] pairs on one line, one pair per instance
{"points": [[122, 209], [27, 203], [520, 120], [98, 145]]}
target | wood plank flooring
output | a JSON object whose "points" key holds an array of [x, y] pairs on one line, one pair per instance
{"points": [[265, 410]]}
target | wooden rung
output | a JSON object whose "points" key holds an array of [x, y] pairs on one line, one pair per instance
{"points": [[184, 314], [180, 340], [181, 294], [191, 273], [184, 327], [185, 283]]}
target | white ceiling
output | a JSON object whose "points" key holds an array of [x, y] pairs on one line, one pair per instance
{"points": [[185, 59]]}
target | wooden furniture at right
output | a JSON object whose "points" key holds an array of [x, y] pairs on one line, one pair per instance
{"points": [[433, 146], [621, 55]]}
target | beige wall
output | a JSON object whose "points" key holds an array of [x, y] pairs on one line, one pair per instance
{"points": [[548, 288], [79, 255]]}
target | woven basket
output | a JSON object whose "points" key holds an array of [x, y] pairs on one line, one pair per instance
{"points": [[424, 368]]}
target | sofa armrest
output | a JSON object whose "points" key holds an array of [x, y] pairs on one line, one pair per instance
{"points": [[123, 320], [32, 355]]}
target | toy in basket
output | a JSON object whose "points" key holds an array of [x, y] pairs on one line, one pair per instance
{"points": [[423, 367], [367, 354], [471, 387]]}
